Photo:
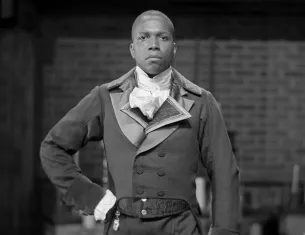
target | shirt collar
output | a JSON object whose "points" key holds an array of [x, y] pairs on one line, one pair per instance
{"points": [[161, 81]]}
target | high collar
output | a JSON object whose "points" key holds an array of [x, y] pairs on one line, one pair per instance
{"points": [[161, 81], [128, 82]]}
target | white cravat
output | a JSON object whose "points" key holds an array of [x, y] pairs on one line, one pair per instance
{"points": [[151, 92]]}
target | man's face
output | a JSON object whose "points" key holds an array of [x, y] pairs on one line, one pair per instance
{"points": [[153, 46]]}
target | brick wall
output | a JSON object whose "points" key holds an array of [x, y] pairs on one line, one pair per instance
{"points": [[260, 86], [258, 83], [78, 66]]}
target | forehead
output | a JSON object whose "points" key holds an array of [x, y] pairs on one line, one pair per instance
{"points": [[152, 23]]}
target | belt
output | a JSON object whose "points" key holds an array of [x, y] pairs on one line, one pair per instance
{"points": [[152, 207]]}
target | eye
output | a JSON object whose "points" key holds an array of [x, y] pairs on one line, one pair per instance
{"points": [[142, 37], [165, 38]]}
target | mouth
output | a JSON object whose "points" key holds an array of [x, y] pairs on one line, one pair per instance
{"points": [[153, 58]]}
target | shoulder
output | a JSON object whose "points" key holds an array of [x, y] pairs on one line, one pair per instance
{"points": [[119, 81], [190, 86]]}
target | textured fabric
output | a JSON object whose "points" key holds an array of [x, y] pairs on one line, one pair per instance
{"points": [[153, 207], [166, 111], [182, 224], [137, 113]]}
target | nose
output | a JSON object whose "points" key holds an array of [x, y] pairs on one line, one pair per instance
{"points": [[154, 44]]}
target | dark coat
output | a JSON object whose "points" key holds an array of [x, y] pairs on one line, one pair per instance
{"points": [[146, 159]]}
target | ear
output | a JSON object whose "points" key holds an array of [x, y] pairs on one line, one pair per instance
{"points": [[175, 49], [131, 49]]}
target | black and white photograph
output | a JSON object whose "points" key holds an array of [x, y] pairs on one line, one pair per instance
{"points": [[161, 117]]}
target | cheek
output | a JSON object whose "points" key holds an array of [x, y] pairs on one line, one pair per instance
{"points": [[169, 54], [140, 47], [168, 50], [136, 49], [140, 53]]}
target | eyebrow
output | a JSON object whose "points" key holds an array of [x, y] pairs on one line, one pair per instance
{"points": [[157, 33]]}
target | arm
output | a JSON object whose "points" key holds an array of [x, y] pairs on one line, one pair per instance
{"points": [[80, 125], [222, 170]]}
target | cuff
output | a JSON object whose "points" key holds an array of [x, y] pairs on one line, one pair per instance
{"points": [[104, 206], [84, 195], [222, 231]]}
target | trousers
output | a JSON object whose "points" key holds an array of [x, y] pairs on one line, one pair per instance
{"points": [[181, 224]]}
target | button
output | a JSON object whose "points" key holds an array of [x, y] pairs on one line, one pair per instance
{"points": [[161, 173], [140, 191], [161, 193], [161, 153], [144, 212], [140, 170]]}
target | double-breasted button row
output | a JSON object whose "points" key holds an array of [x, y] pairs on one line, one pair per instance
{"points": [[161, 153], [140, 170], [161, 173], [140, 191]]}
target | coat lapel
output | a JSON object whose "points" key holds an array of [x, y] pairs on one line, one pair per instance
{"points": [[170, 112], [131, 122], [141, 132], [166, 121]]}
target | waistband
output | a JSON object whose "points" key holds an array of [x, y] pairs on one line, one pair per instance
{"points": [[152, 207]]}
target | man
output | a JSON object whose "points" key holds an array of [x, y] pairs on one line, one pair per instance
{"points": [[157, 127]]}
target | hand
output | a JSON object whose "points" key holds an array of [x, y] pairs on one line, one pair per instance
{"points": [[107, 202]]}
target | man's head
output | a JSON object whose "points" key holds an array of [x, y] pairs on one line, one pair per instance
{"points": [[153, 46]]}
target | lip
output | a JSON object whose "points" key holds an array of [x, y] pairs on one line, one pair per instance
{"points": [[153, 57]]}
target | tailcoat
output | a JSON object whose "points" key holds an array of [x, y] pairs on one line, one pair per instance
{"points": [[156, 158]]}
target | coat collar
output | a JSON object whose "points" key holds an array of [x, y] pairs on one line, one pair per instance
{"points": [[141, 132], [128, 80]]}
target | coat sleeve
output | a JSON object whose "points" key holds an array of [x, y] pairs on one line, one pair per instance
{"points": [[218, 157], [80, 125]]}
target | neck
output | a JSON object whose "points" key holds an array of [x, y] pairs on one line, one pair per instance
{"points": [[151, 75], [162, 80]]}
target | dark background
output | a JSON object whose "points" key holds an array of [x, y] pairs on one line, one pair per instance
{"points": [[248, 53]]}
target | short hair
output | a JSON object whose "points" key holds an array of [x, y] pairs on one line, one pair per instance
{"points": [[153, 13]]}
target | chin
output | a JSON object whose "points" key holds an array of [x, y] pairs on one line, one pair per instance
{"points": [[154, 71]]}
